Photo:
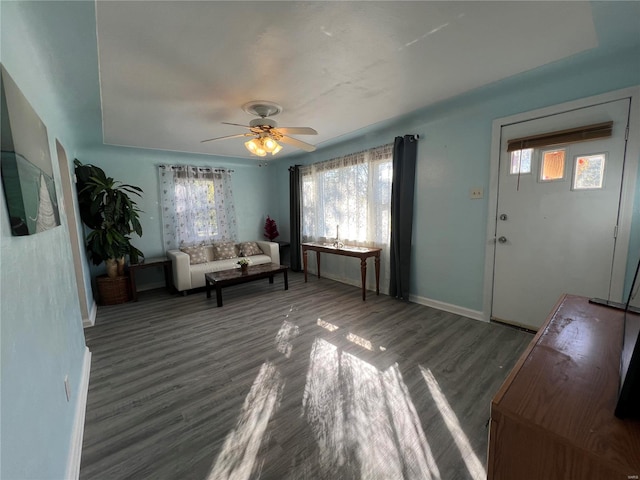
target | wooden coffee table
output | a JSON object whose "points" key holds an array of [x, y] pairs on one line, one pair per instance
{"points": [[225, 278]]}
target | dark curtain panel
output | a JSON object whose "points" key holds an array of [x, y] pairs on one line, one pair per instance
{"points": [[404, 169], [295, 200]]}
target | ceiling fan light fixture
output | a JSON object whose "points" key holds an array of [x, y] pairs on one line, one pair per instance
{"points": [[254, 146], [269, 144], [263, 145]]}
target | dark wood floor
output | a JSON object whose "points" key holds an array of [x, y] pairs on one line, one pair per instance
{"points": [[309, 383]]}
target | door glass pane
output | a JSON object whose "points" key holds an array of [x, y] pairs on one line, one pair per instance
{"points": [[589, 172], [552, 165], [521, 161]]}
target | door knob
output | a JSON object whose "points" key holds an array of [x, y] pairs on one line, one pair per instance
{"points": [[502, 239], [503, 217]]}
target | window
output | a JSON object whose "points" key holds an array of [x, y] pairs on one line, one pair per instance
{"points": [[197, 206], [352, 193], [521, 161], [552, 165], [589, 172]]}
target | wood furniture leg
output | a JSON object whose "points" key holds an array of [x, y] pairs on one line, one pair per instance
{"points": [[208, 284], [286, 280], [168, 280], [377, 263], [304, 263], [134, 289], [219, 294], [271, 279], [363, 274], [318, 262]]}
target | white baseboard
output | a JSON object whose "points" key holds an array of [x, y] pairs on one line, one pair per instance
{"points": [[448, 307], [91, 321], [349, 281], [75, 452]]}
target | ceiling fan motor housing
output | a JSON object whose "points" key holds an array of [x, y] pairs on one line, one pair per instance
{"points": [[263, 122]]}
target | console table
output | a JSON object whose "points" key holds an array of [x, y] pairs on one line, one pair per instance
{"points": [[347, 251], [553, 418], [163, 262]]}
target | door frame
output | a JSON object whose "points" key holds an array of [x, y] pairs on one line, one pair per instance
{"points": [[629, 176]]}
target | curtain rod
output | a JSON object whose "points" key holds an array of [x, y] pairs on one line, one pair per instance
{"points": [[213, 169]]}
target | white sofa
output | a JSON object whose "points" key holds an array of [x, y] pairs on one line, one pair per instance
{"points": [[187, 276]]}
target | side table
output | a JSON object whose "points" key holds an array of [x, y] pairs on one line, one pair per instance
{"points": [[163, 262]]}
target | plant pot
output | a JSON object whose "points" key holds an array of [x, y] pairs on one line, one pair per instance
{"points": [[120, 263], [112, 267], [112, 291], [244, 269]]}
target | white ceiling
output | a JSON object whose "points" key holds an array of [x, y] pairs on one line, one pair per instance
{"points": [[170, 72]]}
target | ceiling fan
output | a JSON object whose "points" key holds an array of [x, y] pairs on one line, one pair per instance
{"points": [[265, 131]]}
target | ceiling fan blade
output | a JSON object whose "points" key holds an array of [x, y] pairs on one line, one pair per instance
{"points": [[236, 124], [228, 136], [296, 130], [307, 147]]}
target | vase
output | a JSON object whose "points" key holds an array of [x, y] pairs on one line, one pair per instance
{"points": [[112, 267], [244, 269], [120, 263]]}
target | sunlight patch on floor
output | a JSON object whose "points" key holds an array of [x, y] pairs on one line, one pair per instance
{"points": [[288, 331], [363, 420], [329, 326], [363, 342], [239, 452], [473, 464]]}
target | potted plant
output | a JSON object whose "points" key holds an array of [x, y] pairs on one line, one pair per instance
{"points": [[244, 264], [270, 229], [108, 210]]}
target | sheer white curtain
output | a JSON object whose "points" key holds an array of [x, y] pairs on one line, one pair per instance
{"points": [[354, 193], [197, 205]]}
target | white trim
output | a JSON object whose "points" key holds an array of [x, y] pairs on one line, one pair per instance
{"points": [[91, 321], [628, 185], [349, 281], [448, 307], [75, 451], [428, 302]]}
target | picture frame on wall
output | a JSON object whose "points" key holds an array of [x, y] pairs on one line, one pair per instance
{"points": [[25, 164]]}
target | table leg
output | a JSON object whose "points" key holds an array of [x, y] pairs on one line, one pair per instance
{"points": [[304, 262], [219, 295], [167, 276], [134, 289], [208, 283], [286, 280], [377, 262], [363, 273], [318, 262], [271, 279]]}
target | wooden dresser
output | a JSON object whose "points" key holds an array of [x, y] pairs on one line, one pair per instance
{"points": [[553, 417]]}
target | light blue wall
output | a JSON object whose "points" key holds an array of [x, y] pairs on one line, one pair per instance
{"points": [[253, 197], [449, 237], [40, 321]]}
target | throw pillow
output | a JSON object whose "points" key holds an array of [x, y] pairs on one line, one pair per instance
{"points": [[196, 254], [250, 248], [224, 251]]}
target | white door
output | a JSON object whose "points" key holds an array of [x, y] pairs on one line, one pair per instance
{"points": [[557, 215]]}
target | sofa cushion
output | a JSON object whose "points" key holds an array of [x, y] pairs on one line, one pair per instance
{"points": [[224, 251], [196, 254], [249, 248]]}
